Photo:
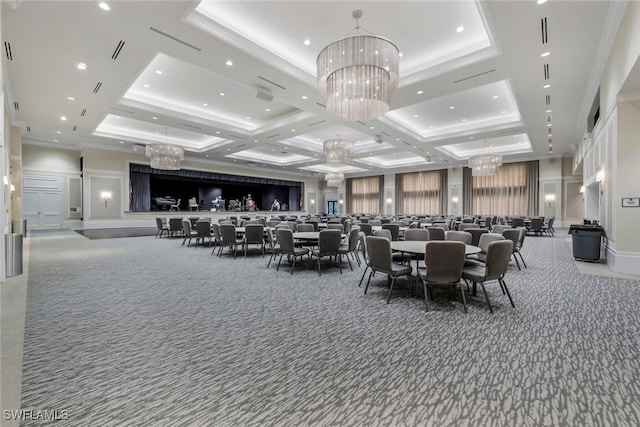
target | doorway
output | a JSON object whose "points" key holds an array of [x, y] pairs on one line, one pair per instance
{"points": [[332, 207]]}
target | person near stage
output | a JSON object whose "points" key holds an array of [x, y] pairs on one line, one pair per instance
{"points": [[217, 203], [275, 206], [248, 203]]}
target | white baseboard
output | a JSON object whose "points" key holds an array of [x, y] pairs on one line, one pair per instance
{"points": [[623, 262], [118, 223]]}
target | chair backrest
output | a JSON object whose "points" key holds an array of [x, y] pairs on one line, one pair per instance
{"points": [[366, 228], [254, 233], [193, 202], [444, 261], [364, 219], [383, 233], [273, 222], [335, 226], [203, 228], [353, 238], [292, 225], [498, 256], [362, 238], [523, 233], [414, 224], [186, 227], [304, 227], [228, 233], [536, 224], [329, 242], [498, 229], [517, 222], [284, 236], [375, 222], [487, 238], [551, 220], [175, 224], [416, 234], [512, 234], [252, 222], [435, 233], [394, 229], [464, 226], [458, 236], [216, 232], [159, 223], [379, 251], [475, 234]]}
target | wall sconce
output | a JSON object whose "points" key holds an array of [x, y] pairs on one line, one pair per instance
{"points": [[549, 198], [312, 201], [106, 196], [6, 180], [582, 189], [389, 201], [600, 175], [341, 202], [13, 188]]}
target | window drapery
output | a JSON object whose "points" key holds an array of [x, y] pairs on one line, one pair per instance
{"points": [[422, 192], [512, 191], [363, 194]]}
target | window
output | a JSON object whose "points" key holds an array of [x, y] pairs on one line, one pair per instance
{"points": [[421, 192], [363, 194]]}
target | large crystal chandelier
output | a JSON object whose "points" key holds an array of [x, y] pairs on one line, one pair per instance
{"points": [[485, 165], [164, 156], [334, 179], [338, 151], [357, 75]]}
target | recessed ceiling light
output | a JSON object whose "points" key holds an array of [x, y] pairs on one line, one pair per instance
{"points": [[58, 132], [471, 137], [545, 54], [464, 120], [548, 111], [154, 118], [304, 97], [415, 116], [55, 140], [293, 130], [229, 62], [158, 71], [145, 85], [205, 104], [420, 92], [104, 6], [63, 118], [541, 1], [121, 142], [372, 127], [217, 132], [431, 127], [82, 66], [221, 93], [546, 86], [307, 42], [206, 155], [71, 98], [400, 54], [502, 112], [548, 125], [460, 29], [495, 96], [452, 107], [267, 109], [228, 149], [248, 118]]}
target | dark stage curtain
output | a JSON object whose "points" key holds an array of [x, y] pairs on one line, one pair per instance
{"points": [[140, 192]]}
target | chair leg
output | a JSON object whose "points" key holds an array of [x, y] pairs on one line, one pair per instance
{"points": [[319, 269], [486, 296], [516, 259], [464, 299], [504, 285], [424, 284], [393, 282], [279, 260], [522, 259], [363, 273], [368, 281], [293, 265]]}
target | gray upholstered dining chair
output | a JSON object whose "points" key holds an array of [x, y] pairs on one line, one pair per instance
{"points": [[513, 234], [483, 244], [494, 269], [416, 234], [444, 261], [304, 227], [499, 228], [475, 234], [163, 227], [436, 233], [284, 236], [217, 238], [351, 247], [466, 226], [187, 232], [253, 235], [366, 228], [362, 239], [274, 247], [175, 227], [381, 261], [394, 229], [229, 239], [328, 244], [458, 236], [203, 232]]}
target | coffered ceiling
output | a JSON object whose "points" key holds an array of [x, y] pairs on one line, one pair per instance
{"points": [[234, 81]]}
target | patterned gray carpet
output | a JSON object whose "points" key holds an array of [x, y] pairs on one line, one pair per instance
{"points": [[143, 332]]}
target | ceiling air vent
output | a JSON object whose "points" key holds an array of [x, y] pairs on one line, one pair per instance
{"points": [[544, 28], [28, 128], [548, 117], [16, 106], [97, 88], [75, 128], [362, 123], [316, 123], [189, 126], [83, 112], [237, 136], [7, 51], [384, 133], [121, 110], [118, 49], [546, 71], [322, 105], [474, 76], [175, 39], [273, 136], [271, 82], [547, 100]]}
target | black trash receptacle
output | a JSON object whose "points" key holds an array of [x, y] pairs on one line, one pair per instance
{"points": [[586, 240]]}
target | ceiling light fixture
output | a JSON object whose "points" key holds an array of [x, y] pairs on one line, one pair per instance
{"points": [[357, 75], [104, 6], [485, 165], [338, 151], [165, 156], [82, 66], [334, 179]]}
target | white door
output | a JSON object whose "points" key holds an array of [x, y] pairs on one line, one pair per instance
{"points": [[42, 209]]}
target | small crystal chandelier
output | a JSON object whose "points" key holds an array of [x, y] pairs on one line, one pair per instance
{"points": [[357, 75], [334, 179], [485, 165], [164, 155], [338, 151]]}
